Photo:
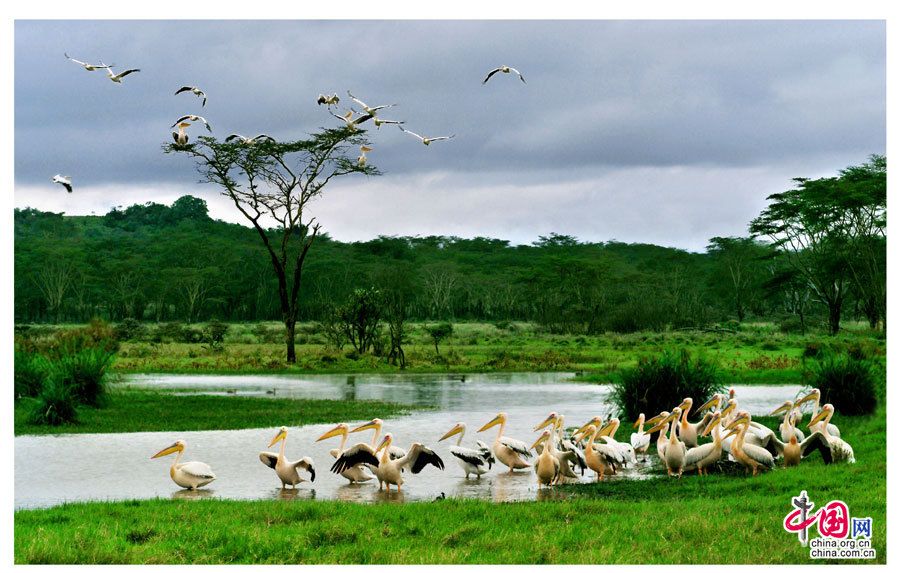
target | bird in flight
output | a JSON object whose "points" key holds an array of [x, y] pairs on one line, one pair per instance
{"points": [[425, 140], [192, 118], [361, 160], [348, 119], [369, 110], [87, 66], [118, 77], [249, 140], [504, 70], [333, 99], [379, 122], [63, 180], [194, 90]]}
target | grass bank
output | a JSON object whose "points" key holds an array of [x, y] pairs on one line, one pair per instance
{"points": [[146, 411], [726, 518]]}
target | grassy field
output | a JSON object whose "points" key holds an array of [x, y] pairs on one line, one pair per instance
{"points": [[724, 518], [146, 411], [757, 354]]}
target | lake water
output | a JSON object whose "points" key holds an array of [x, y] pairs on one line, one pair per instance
{"points": [[55, 469]]}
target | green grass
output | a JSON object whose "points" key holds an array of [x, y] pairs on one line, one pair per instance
{"points": [[727, 518], [146, 411]]}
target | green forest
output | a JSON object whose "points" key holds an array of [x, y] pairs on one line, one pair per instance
{"points": [[814, 257]]}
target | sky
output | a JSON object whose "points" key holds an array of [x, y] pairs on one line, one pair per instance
{"points": [[665, 132]]}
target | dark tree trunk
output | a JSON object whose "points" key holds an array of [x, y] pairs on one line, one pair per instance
{"points": [[834, 318], [290, 326]]}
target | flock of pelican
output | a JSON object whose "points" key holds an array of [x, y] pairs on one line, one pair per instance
{"points": [[351, 118], [564, 454]]}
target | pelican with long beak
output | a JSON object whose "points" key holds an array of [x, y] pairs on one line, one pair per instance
{"points": [[833, 448], [568, 455], [610, 456], [189, 475], [472, 461], [377, 424], [356, 472], [598, 458], [787, 429], [181, 138], [661, 439], [705, 455], [686, 431], [815, 396], [389, 470], [640, 440], [285, 470], [750, 456], [508, 451], [608, 436], [675, 450], [547, 465]]}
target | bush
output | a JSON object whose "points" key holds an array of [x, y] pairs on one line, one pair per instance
{"points": [[84, 373], [791, 325], [30, 372], [661, 382], [439, 332], [129, 329], [214, 334], [846, 382], [55, 404], [97, 334]]}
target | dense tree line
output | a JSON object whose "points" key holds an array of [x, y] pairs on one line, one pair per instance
{"points": [[155, 262]]}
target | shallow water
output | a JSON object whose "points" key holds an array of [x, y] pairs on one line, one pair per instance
{"points": [[54, 469]]}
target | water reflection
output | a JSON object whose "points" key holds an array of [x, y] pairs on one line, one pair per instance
{"points": [[193, 493]]}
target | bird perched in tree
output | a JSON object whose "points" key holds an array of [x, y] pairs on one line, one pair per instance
{"points": [[249, 140], [361, 160]]}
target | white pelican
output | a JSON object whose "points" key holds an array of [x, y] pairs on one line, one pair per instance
{"points": [[748, 455], [330, 100], [608, 436], [687, 432], [249, 140], [189, 475], [379, 122], [612, 456], [547, 465], [507, 450], [504, 70], [117, 78], [388, 471], [377, 424], [786, 428], [361, 160], [597, 456], [675, 451], [472, 461], [426, 140], [285, 470], [640, 441], [191, 117], [356, 473], [181, 138], [347, 118], [705, 455], [661, 439], [194, 90], [64, 180], [85, 65], [369, 110], [815, 397], [567, 453], [833, 448], [792, 451]]}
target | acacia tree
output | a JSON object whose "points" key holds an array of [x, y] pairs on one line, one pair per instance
{"points": [[738, 270], [274, 182]]}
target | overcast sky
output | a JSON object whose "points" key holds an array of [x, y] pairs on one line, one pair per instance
{"points": [[639, 131]]}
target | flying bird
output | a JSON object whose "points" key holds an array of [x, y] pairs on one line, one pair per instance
{"points": [[249, 140], [194, 90], [348, 119], [379, 122], [505, 70], [333, 99], [63, 180], [369, 110], [87, 66], [426, 140], [118, 77], [192, 118]]}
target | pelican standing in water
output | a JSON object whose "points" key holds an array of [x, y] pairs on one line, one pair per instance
{"points": [[547, 465], [388, 471], [640, 440], [750, 456], [507, 450], [567, 453], [355, 473], [189, 475], [598, 458], [675, 450], [285, 470], [833, 448], [472, 461], [377, 424]]}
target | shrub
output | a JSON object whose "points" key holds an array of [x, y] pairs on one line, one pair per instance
{"points": [[169, 332], [812, 350], [30, 372], [97, 334], [214, 333], [661, 382], [846, 382], [55, 404], [791, 325], [129, 329], [84, 373], [439, 332]]}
